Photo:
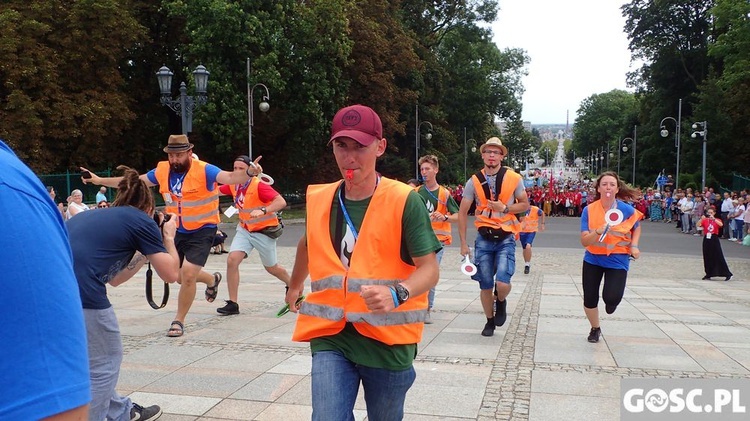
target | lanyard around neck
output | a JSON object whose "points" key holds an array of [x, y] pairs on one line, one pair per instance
{"points": [[433, 196], [241, 189], [177, 186], [346, 213]]}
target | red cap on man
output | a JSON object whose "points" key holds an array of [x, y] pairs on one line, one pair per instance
{"points": [[357, 122]]}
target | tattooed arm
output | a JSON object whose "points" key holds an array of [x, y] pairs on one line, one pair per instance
{"points": [[128, 271]]}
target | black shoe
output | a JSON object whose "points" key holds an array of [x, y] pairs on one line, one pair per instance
{"points": [[728, 278], [229, 309], [610, 308], [500, 313], [139, 413], [594, 334], [526, 270], [706, 278], [489, 329]]}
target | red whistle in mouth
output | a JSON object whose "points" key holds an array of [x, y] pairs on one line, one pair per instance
{"points": [[349, 174]]}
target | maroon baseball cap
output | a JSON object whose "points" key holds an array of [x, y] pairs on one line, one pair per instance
{"points": [[358, 122]]}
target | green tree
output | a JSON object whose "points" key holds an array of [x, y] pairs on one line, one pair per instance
{"points": [[63, 95], [604, 118], [298, 50]]}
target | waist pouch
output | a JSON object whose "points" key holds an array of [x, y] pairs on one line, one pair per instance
{"points": [[493, 234], [273, 232]]}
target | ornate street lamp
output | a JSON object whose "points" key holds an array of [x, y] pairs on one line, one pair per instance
{"points": [[473, 149], [701, 129], [185, 104], [263, 107], [624, 147], [428, 136], [664, 133]]}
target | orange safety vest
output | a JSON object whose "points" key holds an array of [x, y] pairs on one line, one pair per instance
{"points": [[618, 237], [484, 216], [376, 260], [442, 229], [531, 221], [250, 203], [198, 206]]}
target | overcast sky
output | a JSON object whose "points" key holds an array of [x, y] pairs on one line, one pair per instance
{"points": [[577, 49]]}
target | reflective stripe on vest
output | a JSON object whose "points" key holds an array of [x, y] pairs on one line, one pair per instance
{"points": [[375, 260], [484, 216], [330, 282], [618, 237], [198, 206]]}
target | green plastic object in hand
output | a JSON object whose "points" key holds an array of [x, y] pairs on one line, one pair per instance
{"points": [[284, 310]]}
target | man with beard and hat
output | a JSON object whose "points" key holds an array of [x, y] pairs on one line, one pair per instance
{"points": [[190, 190], [499, 194]]}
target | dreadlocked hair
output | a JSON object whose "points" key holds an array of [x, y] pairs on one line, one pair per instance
{"points": [[132, 191], [625, 191]]}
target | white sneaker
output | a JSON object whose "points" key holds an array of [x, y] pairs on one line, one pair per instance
{"points": [[732, 239]]}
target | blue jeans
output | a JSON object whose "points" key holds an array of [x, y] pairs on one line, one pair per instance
{"points": [[495, 261], [738, 224], [335, 383], [431, 294]]}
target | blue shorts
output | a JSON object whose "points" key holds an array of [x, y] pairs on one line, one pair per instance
{"points": [[495, 261], [526, 238]]}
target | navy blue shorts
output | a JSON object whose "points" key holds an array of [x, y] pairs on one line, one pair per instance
{"points": [[526, 238]]}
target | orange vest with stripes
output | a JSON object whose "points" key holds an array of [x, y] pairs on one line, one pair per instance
{"points": [[250, 203], [484, 216], [198, 206], [375, 260], [531, 221], [618, 236], [442, 229]]}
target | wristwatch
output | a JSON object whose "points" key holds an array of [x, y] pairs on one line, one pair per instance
{"points": [[401, 293], [263, 208]]}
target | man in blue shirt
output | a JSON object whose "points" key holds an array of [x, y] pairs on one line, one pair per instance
{"points": [[102, 195], [193, 240], [109, 247], [43, 363]]}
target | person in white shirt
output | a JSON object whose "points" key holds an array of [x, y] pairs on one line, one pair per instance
{"points": [[739, 219], [726, 207], [746, 219], [686, 207], [75, 204]]}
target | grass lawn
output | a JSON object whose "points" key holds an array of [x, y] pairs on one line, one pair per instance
{"points": [[288, 213]]}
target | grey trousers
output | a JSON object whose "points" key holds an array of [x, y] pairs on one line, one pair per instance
{"points": [[105, 357]]}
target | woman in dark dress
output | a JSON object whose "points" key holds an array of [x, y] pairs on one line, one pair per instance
{"points": [[713, 257]]}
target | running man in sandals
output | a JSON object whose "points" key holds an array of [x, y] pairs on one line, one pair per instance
{"points": [[190, 191]]}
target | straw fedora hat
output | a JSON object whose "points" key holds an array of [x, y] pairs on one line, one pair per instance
{"points": [[494, 141], [178, 143]]}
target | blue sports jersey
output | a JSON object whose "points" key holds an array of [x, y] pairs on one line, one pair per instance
{"points": [[103, 242], [613, 261], [44, 368]]}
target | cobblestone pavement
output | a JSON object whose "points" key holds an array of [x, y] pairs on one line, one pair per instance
{"points": [[538, 366]]}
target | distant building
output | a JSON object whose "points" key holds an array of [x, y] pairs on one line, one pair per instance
{"points": [[502, 126]]}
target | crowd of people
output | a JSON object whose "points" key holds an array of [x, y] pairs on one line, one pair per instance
{"points": [[372, 286]]}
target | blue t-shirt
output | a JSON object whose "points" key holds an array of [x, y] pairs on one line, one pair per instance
{"points": [[614, 260], [103, 243], [43, 357], [175, 182]]}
